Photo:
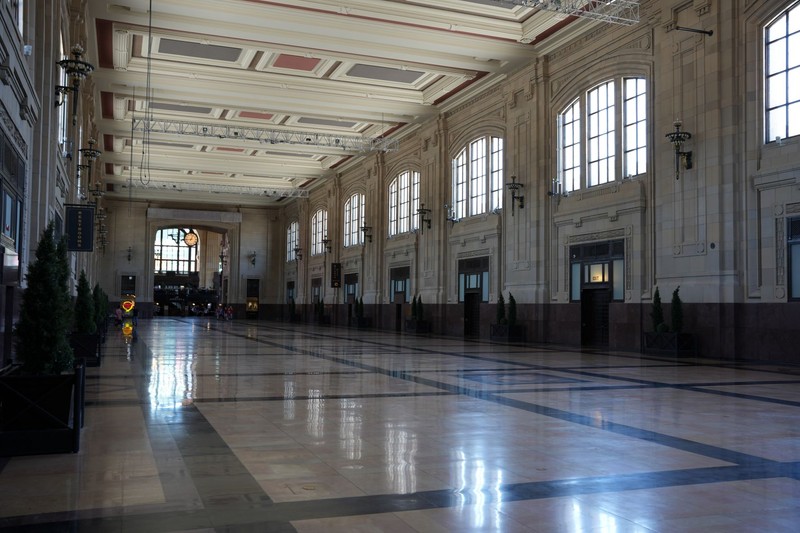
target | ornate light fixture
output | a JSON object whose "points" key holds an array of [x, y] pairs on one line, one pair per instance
{"points": [[367, 231], [326, 243], [77, 70], [298, 254], [518, 198], [90, 155], [677, 138], [625, 12], [252, 258], [423, 218], [450, 214]]}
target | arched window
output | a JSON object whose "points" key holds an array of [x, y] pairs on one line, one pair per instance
{"points": [[478, 177], [403, 203], [319, 231], [353, 220], [609, 119], [292, 233], [782, 52], [175, 251]]}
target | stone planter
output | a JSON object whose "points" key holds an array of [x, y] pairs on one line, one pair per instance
{"points": [[41, 414], [507, 333], [669, 343], [417, 326]]}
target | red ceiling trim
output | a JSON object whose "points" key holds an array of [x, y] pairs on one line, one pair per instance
{"points": [[105, 44], [107, 104]]}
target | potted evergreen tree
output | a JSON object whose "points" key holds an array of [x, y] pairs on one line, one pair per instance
{"points": [[100, 310], [663, 338], [85, 340], [417, 322], [361, 321], [507, 328], [41, 404]]}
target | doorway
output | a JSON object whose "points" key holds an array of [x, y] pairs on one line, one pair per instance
{"points": [[472, 314], [595, 305]]}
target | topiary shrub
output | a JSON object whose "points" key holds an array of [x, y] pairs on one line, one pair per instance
{"points": [[500, 314], [45, 318], [657, 313], [677, 311], [85, 322], [512, 310]]}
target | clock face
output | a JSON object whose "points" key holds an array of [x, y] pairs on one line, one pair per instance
{"points": [[190, 239]]}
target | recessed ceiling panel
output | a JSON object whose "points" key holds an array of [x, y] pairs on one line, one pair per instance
{"points": [[212, 52], [374, 72]]}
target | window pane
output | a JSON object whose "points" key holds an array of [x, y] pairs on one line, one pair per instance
{"points": [[776, 56], [777, 29], [569, 140], [776, 120], [794, 119], [393, 198], [575, 282], [601, 138], [619, 278]]}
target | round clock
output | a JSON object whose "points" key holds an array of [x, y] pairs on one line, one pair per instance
{"points": [[190, 239]]}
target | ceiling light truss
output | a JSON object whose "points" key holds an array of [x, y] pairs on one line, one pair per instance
{"points": [[220, 189], [267, 136], [625, 12]]}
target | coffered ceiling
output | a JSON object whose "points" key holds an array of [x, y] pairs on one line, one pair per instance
{"points": [[254, 102]]}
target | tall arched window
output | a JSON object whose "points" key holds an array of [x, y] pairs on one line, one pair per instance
{"points": [[353, 220], [175, 251], [782, 52], [292, 233], [319, 231], [478, 177], [609, 119], [403, 203]]}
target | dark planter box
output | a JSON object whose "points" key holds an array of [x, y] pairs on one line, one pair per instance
{"points": [[506, 333], [41, 414], [669, 343], [88, 347], [417, 326]]}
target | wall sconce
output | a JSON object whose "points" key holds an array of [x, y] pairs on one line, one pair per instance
{"points": [[298, 254], [90, 155], [130, 253], [450, 214], [556, 190], [514, 187], [367, 231], [326, 243], [423, 218], [76, 69], [252, 257], [677, 138]]}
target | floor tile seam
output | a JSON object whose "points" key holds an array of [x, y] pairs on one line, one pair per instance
{"points": [[638, 356], [181, 434], [661, 439], [717, 363], [710, 451], [580, 372], [324, 397], [287, 512]]}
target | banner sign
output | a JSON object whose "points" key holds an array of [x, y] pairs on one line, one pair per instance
{"points": [[80, 227], [336, 275]]}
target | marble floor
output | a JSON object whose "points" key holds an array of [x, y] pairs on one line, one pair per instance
{"points": [[205, 425]]}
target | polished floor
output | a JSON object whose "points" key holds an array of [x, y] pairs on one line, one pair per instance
{"points": [[206, 425]]}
